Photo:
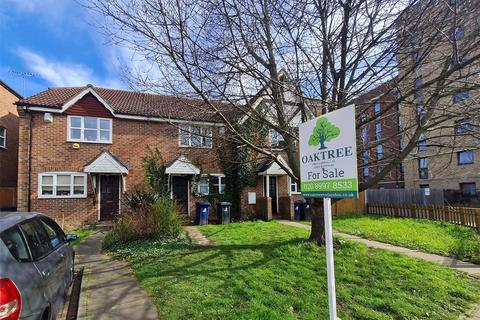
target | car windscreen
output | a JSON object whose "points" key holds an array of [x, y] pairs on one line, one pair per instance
{"points": [[14, 241]]}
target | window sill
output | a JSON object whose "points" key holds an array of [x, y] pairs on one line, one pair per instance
{"points": [[63, 197], [195, 147], [90, 142]]}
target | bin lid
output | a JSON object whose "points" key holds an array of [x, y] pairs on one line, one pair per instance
{"points": [[225, 204], [298, 202], [202, 203]]}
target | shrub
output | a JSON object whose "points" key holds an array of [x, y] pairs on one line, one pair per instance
{"points": [[167, 221], [138, 199]]}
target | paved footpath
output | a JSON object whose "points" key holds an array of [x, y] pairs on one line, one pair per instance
{"points": [[109, 289], [197, 236], [467, 267]]}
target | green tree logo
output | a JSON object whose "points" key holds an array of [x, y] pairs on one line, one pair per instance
{"points": [[323, 132]]}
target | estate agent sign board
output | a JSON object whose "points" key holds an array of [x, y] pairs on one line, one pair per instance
{"points": [[328, 155]]}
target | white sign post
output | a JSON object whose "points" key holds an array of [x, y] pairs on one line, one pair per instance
{"points": [[328, 169]]}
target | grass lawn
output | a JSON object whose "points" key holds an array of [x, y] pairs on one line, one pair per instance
{"points": [[424, 235], [82, 233], [265, 270]]}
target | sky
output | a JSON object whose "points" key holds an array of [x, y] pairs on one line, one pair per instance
{"points": [[55, 43]]}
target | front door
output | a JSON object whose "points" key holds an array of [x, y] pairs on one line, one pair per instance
{"points": [[272, 191], [109, 197], [180, 193]]}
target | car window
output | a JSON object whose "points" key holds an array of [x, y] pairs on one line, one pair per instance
{"points": [[13, 240], [54, 232], [37, 239]]}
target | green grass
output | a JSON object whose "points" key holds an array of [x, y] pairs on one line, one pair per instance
{"points": [[430, 236], [82, 233], [265, 270]]}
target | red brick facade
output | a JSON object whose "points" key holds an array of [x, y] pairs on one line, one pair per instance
{"points": [[51, 152], [9, 153]]}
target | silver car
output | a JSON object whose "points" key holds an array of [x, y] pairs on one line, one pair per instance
{"points": [[36, 266]]}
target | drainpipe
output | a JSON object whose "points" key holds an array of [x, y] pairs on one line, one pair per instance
{"points": [[30, 135]]}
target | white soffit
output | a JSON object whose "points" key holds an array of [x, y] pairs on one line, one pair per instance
{"points": [[106, 163], [182, 166], [274, 169]]}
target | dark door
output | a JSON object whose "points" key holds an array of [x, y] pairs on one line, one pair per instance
{"points": [[180, 193], [272, 191], [109, 197]]}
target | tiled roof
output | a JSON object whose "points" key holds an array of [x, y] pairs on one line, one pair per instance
{"points": [[136, 103]]}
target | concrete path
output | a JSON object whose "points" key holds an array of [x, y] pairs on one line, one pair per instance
{"points": [[467, 267], [197, 236], [109, 289]]}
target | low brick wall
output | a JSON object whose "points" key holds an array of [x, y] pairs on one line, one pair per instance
{"points": [[264, 208], [285, 207]]}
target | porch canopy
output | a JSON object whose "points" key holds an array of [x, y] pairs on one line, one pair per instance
{"points": [[106, 163], [268, 167], [182, 166]]}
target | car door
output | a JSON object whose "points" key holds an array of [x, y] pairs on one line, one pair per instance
{"points": [[60, 245], [47, 261]]}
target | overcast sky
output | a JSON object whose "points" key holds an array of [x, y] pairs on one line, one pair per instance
{"points": [[56, 42]]}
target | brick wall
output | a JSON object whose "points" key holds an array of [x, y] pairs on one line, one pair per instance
{"points": [[131, 139], [9, 156]]}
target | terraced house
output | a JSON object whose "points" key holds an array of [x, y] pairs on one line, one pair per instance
{"points": [[81, 148]]}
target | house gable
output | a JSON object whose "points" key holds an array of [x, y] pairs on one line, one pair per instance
{"points": [[89, 105]]}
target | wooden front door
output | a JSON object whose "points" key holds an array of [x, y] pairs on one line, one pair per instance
{"points": [[109, 197], [273, 193], [180, 193]]}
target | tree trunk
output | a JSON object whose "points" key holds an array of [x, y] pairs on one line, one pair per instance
{"points": [[317, 233]]}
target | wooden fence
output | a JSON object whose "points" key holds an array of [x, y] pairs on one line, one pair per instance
{"points": [[347, 206], [469, 217], [8, 198], [406, 196]]}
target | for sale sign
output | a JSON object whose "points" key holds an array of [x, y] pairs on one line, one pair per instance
{"points": [[328, 155]]}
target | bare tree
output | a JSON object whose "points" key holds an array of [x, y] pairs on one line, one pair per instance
{"points": [[282, 62]]}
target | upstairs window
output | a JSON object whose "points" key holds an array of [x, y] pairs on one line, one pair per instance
{"points": [[463, 126], [418, 87], [422, 142], [276, 139], [62, 185], [421, 112], [3, 138], [89, 129], [378, 107], [423, 168], [195, 136], [458, 34], [379, 152], [465, 157], [461, 96], [378, 131], [364, 135], [416, 57]]}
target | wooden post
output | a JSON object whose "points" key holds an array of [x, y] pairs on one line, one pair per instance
{"points": [[477, 218], [431, 214], [462, 216]]}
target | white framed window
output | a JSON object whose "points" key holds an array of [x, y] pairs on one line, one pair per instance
{"points": [[89, 129], [294, 187], [275, 138], [3, 137], [203, 186], [195, 136], [218, 182], [62, 185]]}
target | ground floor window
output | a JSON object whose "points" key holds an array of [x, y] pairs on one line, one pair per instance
{"points": [[294, 188], [218, 183], [214, 182], [468, 188], [62, 185]]}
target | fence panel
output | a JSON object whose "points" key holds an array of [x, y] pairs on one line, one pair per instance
{"points": [[8, 198], [405, 196], [469, 217]]}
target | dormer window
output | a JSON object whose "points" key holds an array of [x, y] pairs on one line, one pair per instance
{"points": [[89, 129], [195, 136], [3, 138]]}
